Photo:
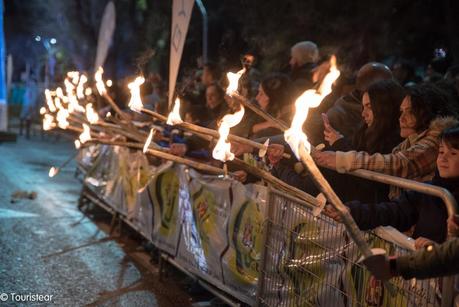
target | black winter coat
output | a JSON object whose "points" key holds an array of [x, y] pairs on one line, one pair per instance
{"points": [[427, 213]]}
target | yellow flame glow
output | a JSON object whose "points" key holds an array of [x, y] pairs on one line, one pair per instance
{"points": [[85, 135], [61, 117], [42, 110], [148, 141], [60, 94], [109, 83], [174, 116], [73, 101], [295, 136], [88, 91], [80, 88], [49, 101], [222, 150], [74, 75], [91, 115], [99, 82], [57, 103], [48, 122], [233, 79], [77, 144], [136, 101]]}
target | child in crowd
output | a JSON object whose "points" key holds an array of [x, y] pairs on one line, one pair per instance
{"points": [[426, 213]]}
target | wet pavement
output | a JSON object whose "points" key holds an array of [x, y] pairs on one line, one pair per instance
{"points": [[49, 248]]}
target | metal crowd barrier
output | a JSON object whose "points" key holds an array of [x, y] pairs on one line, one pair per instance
{"points": [[407, 184], [310, 261], [444, 194], [299, 267]]}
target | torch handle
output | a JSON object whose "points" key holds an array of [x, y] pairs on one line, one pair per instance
{"points": [[115, 106], [268, 117], [210, 132], [346, 217], [334, 200]]}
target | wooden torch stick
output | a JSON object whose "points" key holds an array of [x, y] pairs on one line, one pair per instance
{"points": [[214, 133], [268, 117], [164, 155], [115, 107], [334, 200]]}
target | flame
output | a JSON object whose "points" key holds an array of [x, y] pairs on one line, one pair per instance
{"points": [[57, 103], [174, 116], [91, 115], [42, 110], [53, 171], [85, 135], [74, 75], [222, 150], [88, 91], [77, 144], [61, 117], [61, 95], [48, 122], [80, 88], [295, 136], [99, 82], [233, 79], [73, 101], [109, 83], [136, 102], [49, 101], [148, 141]]}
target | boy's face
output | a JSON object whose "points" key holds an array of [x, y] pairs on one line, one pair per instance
{"points": [[448, 161]]}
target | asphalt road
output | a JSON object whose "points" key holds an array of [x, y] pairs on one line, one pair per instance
{"points": [[49, 248]]}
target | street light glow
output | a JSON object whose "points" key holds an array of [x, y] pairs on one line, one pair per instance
{"points": [[38, 38], [53, 41]]}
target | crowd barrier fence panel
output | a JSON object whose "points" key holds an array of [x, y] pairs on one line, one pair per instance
{"points": [[309, 260]]}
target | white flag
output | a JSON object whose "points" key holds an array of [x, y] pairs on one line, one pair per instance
{"points": [[181, 14], [107, 27]]}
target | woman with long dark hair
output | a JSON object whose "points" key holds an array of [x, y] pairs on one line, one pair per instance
{"points": [[380, 132], [425, 112]]}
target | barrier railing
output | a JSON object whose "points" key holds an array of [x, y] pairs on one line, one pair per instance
{"points": [[310, 261], [407, 184], [306, 257], [445, 195]]}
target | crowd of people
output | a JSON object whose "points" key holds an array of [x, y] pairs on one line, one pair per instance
{"points": [[380, 119]]}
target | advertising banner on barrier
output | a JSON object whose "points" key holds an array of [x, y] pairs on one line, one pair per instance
{"points": [[305, 265], [246, 238], [205, 219], [364, 288], [167, 191], [214, 228]]}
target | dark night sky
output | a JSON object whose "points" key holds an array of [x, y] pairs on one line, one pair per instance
{"points": [[401, 28]]}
